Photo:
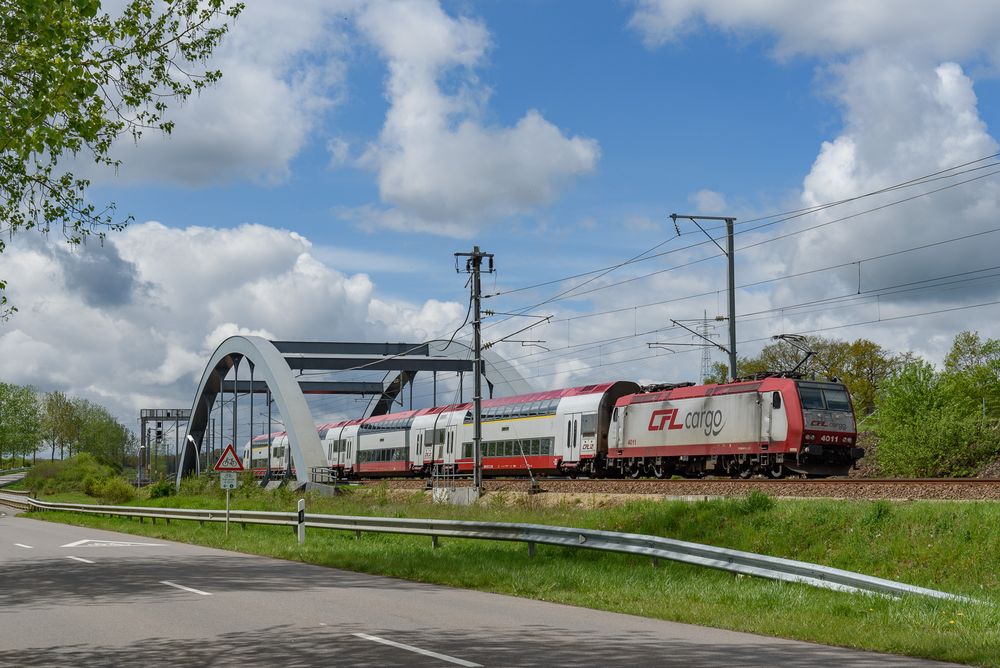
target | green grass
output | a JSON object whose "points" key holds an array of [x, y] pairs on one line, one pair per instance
{"points": [[950, 546]]}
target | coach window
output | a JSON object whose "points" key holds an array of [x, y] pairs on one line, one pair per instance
{"points": [[588, 424]]}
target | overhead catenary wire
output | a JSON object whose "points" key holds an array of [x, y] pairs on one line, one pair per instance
{"points": [[765, 241], [782, 216]]}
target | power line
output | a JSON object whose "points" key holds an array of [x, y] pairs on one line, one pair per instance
{"points": [[784, 216], [779, 278], [771, 240]]}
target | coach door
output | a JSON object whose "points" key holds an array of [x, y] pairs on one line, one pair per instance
{"points": [[451, 435], [573, 437]]}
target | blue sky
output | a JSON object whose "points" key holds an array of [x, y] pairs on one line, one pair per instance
{"points": [[320, 190]]}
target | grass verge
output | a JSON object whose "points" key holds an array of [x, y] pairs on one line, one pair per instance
{"points": [[948, 546]]}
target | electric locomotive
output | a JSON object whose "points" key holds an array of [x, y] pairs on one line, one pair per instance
{"points": [[771, 426]]}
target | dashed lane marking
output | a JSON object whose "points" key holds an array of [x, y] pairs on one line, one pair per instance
{"points": [[81, 559], [417, 650], [190, 589], [27, 547]]}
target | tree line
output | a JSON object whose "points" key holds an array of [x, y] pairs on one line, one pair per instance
{"points": [[31, 422], [918, 420]]}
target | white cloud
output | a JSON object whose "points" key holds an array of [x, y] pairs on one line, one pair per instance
{"points": [[180, 293], [895, 70], [708, 201], [283, 68], [911, 28], [440, 168]]}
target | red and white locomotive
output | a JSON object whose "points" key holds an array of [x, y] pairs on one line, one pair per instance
{"points": [[771, 426]]}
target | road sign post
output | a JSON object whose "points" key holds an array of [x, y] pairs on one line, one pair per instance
{"points": [[228, 466]]}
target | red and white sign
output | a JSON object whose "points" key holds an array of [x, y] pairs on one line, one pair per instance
{"points": [[229, 461]]}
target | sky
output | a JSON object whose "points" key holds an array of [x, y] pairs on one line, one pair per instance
{"points": [[321, 188]]}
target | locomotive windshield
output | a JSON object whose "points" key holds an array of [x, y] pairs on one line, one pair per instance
{"points": [[821, 397]]}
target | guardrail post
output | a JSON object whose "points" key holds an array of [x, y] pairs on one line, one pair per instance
{"points": [[302, 521], [655, 561], [531, 549], [434, 542]]}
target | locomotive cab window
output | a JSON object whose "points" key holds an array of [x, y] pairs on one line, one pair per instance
{"points": [[824, 397], [812, 398], [837, 400], [776, 399]]}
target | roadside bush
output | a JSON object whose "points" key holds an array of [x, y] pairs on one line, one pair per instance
{"points": [[92, 485], [160, 489], [197, 485], [931, 424], [68, 475], [115, 490], [40, 475]]}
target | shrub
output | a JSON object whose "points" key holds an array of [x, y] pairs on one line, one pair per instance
{"points": [[930, 424], [116, 490], [161, 489], [67, 475], [92, 485]]}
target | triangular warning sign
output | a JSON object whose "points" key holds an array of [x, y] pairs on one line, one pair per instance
{"points": [[229, 461]]}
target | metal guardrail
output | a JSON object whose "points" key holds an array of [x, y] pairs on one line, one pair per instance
{"points": [[655, 547], [15, 499]]}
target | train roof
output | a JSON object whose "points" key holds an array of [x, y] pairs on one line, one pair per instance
{"points": [[711, 390], [547, 395]]}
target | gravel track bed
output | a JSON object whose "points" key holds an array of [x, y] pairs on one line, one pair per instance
{"points": [[854, 489]]}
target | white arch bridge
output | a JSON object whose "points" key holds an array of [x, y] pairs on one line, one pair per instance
{"points": [[272, 364]]}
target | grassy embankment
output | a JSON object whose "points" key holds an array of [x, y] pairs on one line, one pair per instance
{"points": [[949, 546]]}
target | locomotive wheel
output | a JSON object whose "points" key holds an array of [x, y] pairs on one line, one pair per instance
{"points": [[775, 472], [659, 472], [634, 472]]}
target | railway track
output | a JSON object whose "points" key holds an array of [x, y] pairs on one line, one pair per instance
{"points": [[970, 489]]}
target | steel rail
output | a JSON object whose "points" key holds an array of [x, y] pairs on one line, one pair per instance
{"points": [[654, 547]]}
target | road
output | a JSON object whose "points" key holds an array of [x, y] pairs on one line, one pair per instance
{"points": [[66, 598]]}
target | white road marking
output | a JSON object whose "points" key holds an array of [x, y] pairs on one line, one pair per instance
{"points": [[417, 650], [81, 559], [87, 542], [177, 586], [27, 547]]}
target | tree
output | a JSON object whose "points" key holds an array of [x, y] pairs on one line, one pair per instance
{"points": [[20, 420], [719, 373], [861, 365], [100, 434], [968, 351], [933, 423], [73, 80], [57, 422]]}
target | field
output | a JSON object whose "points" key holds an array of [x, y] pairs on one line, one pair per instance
{"points": [[952, 546]]}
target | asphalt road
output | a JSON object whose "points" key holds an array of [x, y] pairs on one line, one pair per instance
{"points": [[66, 598]]}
